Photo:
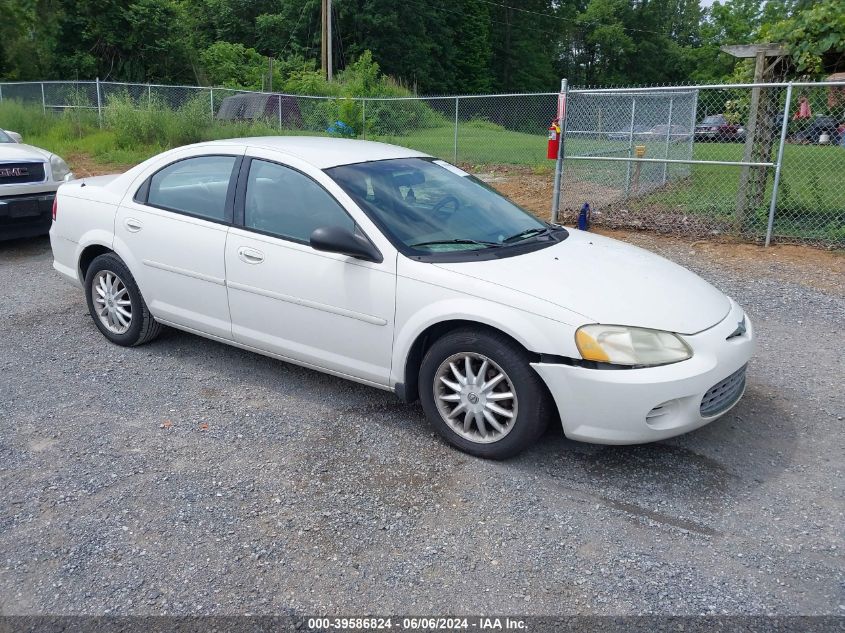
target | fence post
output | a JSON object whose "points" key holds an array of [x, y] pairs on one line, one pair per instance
{"points": [[211, 101], [99, 104], [630, 146], [779, 164], [149, 96], [1, 93], [364, 118], [558, 184], [692, 123], [456, 131], [43, 100], [668, 135], [279, 97]]}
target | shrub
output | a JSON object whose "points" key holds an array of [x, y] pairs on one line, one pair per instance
{"points": [[26, 120], [150, 122]]}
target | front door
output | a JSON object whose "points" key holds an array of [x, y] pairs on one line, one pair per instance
{"points": [[327, 310]]}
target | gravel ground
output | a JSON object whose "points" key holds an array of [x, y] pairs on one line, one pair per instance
{"points": [[188, 477]]}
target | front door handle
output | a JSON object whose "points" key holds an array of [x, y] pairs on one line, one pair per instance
{"points": [[250, 255], [133, 225]]}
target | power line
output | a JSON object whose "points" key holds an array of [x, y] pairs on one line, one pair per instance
{"points": [[553, 17], [293, 31], [460, 14], [563, 19], [339, 36]]}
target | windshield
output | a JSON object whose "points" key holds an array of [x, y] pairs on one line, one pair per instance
{"points": [[5, 138], [431, 206], [713, 120]]}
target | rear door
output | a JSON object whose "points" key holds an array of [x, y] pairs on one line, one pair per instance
{"points": [[324, 309], [172, 233]]}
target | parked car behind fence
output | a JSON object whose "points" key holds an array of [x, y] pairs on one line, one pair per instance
{"points": [[716, 128]]}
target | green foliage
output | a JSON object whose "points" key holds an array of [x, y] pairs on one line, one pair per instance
{"points": [[815, 36], [26, 120], [427, 46], [235, 66], [151, 122]]}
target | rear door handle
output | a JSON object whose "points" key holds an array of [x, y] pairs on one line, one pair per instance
{"points": [[250, 255], [133, 225]]}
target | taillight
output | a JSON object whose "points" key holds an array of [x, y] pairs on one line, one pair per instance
{"points": [[55, 208]]}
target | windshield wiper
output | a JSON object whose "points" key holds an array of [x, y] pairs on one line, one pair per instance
{"points": [[536, 231], [457, 241]]}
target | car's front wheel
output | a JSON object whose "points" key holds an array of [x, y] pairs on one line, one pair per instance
{"points": [[115, 303], [480, 393]]}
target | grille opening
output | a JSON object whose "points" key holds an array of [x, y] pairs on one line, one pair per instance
{"points": [[723, 395], [16, 173]]}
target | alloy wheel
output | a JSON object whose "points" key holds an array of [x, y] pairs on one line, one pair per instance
{"points": [[111, 301], [475, 397]]}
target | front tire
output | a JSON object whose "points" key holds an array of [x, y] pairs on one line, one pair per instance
{"points": [[480, 393], [116, 304]]}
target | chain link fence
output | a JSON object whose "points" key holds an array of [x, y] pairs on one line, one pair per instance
{"points": [[762, 162]]}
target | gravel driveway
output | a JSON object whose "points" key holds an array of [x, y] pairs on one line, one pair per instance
{"points": [[189, 477]]}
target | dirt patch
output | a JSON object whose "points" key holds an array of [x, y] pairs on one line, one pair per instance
{"points": [[84, 166], [790, 263]]}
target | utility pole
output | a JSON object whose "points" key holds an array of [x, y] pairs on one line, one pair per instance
{"points": [[326, 43], [323, 60], [329, 39]]}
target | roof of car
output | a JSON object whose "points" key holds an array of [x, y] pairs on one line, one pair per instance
{"points": [[324, 152]]}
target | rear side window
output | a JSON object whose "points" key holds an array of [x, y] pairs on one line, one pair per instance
{"points": [[283, 202], [196, 186]]}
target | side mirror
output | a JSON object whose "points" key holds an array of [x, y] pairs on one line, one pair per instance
{"points": [[336, 239], [15, 136]]}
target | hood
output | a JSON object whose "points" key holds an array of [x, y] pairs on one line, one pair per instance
{"points": [[608, 282], [20, 151]]}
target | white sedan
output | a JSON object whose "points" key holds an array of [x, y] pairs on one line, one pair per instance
{"points": [[397, 270]]}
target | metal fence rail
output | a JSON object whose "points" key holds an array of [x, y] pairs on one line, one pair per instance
{"points": [[760, 161]]}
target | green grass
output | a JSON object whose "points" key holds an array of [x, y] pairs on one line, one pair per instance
{"points": [[811, 199]]}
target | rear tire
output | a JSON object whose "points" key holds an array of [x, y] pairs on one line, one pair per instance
{"points": [[480, 393], [116, 304]]}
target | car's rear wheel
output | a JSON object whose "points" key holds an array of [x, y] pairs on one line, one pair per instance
{"points": [[480, 393], [115, 303]]}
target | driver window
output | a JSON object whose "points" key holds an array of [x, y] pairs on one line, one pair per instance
{"points": [[286, 203]]}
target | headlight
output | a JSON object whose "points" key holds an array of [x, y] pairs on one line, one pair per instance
{"points": [[620, 345], [59, 168]]}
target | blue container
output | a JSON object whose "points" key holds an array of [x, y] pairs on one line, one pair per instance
{"points": [[584, 217]]}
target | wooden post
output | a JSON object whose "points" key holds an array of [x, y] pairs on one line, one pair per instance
{"points": [[758, 139], [323, 47]]}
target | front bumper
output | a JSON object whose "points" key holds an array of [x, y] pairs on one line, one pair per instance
{"points": [[26, 215], [633, 406]]}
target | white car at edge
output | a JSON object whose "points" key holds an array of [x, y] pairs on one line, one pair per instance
{"points": [[386, 266]]}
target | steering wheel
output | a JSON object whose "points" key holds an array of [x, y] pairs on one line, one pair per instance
{"points": [[437, 210]]}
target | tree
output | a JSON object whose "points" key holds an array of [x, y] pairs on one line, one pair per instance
{"points": [[234, 66], [144, 40], [28, 32], [814, 35], [524, 42]]}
